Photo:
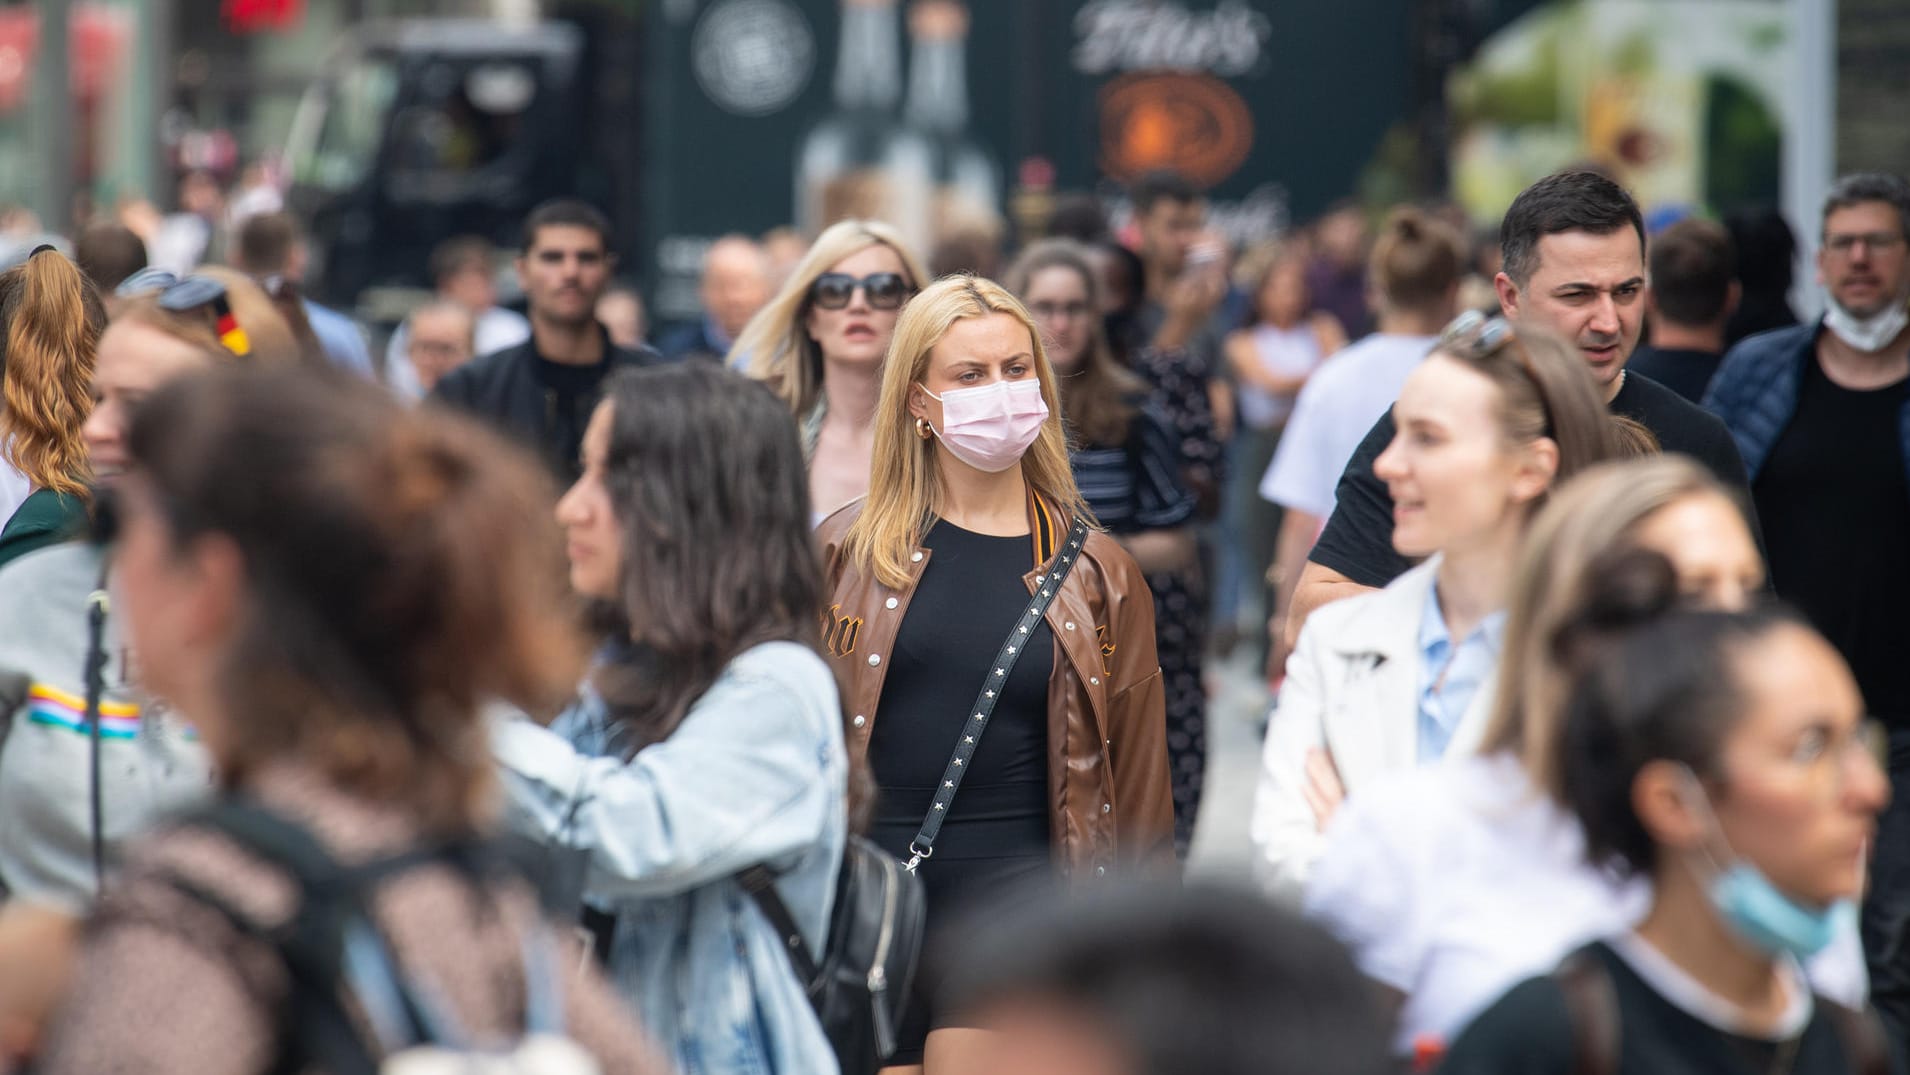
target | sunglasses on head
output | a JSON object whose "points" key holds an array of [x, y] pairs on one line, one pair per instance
{"points": [[885, 290], [181, 294]]}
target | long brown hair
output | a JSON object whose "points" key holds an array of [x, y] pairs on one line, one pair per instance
{"points": [[401, 571], [51, 318], [706, 479], [1099, 400], [904, 485]]}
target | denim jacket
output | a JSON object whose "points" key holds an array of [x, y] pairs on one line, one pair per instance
{"points": [[756, 773]]}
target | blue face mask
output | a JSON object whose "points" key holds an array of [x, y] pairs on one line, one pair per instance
{"points": [[1773, 922], [1757, 911]]}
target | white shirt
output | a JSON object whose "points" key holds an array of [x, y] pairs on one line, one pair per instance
{"points": [[14, 490], [1454, 882], [1335, 411], [1284, 352]]}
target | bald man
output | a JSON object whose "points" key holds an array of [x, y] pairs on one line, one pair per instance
{"points": [[735, 285]]}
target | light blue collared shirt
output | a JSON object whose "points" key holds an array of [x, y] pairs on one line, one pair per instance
{"points": [[1443, 700]]}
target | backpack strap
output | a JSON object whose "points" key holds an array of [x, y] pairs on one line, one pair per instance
{"points": [[1592, 1004], [330, 927], [760, 883]]}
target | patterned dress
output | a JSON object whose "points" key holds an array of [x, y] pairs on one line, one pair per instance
{"points": [[1179, 380]]}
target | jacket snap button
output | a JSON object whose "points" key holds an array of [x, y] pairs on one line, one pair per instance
{"points": [[1106, 808], [916, 558], [874, 659], [1094, 681], [861, 720], [1069, 625], [1100, 871], [890, 603]]}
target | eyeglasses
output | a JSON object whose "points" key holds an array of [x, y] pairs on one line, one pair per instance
{"points": [[885, 290], [182, 294], [1874, 241]]}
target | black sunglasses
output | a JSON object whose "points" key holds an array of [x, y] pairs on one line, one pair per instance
{"points": [[886, 290]]}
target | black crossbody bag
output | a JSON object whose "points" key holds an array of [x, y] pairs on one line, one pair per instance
{"points": [[875, 933]]}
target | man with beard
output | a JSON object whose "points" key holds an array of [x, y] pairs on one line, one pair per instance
{"points": [[1822, 415], [543, 390], [1574, 265]]}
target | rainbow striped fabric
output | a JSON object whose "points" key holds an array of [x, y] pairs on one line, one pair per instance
{"points": [[55, 708]]}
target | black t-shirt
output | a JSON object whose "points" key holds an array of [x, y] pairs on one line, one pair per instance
{"points": [[1530, 1031], [1683, 370], [1358, 539], [1836, 504], [570, 394], [962, 609]]}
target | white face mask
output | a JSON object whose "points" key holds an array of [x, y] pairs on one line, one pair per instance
{"points": [[1867, 334]]}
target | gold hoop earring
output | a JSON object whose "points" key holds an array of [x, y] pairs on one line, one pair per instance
{"points": [[923, 429]]}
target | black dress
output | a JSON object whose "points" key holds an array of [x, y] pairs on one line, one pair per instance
{"points": [[996, 839]]}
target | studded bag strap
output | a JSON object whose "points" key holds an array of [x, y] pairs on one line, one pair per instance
{"points": [[1046, 586]]}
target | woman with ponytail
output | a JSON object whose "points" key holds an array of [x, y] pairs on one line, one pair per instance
{"points": [[50, 323], [53, 846], [1452, 883], [335, 590], [1722, 756]]}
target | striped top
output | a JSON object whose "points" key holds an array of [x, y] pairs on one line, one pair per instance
{"points": [[1137, 485]]}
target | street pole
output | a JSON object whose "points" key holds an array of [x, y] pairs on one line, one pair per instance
{"points": [[50, 130], [1810, 135], [141, 97]]}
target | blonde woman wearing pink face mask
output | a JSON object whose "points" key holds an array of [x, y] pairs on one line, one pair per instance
{"points": [[971, 594]]}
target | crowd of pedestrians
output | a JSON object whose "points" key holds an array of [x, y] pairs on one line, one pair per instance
{"points": [[869, 724]]}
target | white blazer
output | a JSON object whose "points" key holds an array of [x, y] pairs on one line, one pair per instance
{"points": [[1352, 690]]}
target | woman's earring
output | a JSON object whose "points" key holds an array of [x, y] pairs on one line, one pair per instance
{"points": [[923, 429]]}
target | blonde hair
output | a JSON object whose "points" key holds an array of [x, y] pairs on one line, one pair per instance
{"points": [[1589, 518], [904, 485], [776, 341]]}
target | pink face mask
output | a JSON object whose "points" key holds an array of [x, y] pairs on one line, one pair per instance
{"points": [[989, 427]]}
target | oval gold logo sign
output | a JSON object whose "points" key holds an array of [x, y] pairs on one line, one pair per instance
{"points": [[1194, 124]]}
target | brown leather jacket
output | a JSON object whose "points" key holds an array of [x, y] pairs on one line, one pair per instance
{"points": [[1107, 758]]}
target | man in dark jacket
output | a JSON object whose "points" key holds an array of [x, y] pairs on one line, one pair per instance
{"points": [[542, 391], [1821, 413]]}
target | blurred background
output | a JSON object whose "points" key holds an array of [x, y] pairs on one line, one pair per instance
{"points": [[391, 125]]}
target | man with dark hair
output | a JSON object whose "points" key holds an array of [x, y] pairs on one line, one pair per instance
{"points": [[543, 390], [108, 253], [1164, 981], [1822, 415], [1574, 266], [1692, 292], [1767, 256], [271, 245]]}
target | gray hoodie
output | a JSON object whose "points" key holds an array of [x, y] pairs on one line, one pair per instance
{"points": [[150, 763]]}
